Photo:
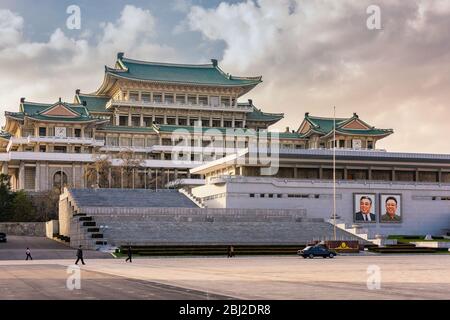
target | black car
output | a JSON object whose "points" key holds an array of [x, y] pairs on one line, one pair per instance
{"points": [[316, 251], [2, 237]]}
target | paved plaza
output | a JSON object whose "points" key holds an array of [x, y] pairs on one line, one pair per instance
{"points": [[269, 277]]}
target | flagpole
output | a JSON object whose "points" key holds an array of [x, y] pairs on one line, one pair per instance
{"points": [[334, 171]]}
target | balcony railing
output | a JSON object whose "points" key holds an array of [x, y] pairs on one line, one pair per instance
{"points": [[56, 140], [177, 105]]}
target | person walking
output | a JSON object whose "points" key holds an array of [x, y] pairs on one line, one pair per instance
{"points": [[230, 251], [79, 255], [130, 253], [28, 253]]}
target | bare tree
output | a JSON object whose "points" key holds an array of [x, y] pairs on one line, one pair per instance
{"points": [[97, 173]]}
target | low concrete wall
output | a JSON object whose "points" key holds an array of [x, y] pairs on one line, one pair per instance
{"points": [[51, 228], [33, 229]]}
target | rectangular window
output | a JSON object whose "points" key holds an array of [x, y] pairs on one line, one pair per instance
{"points": [[205, 122], [42, 131], [135, 121], [192, 99], [134, 96], [341, 143], [42, 148], [192, 121], [148, 121], [171, 121], [123, 120], [181, 98], [168, 98], [182, 121], [203, 100], [77, 149], [159, 120], [214, 101], [238, 124], [60, 149], [227, 123], [279, 195], [369, 144], [166, 142], [77, 133], [112, 141], [252, 195], [125, 142], [138, 142], [157, 97], [225, 101], [216, 123], [145, 97]]}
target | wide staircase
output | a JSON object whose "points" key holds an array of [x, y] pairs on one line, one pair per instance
{"points": [[132, 198], [361, 232]]}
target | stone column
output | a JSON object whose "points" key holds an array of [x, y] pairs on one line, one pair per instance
{"points": [[74, 173], [37, 177], [22, 175], [5, 168], [129, 117]]}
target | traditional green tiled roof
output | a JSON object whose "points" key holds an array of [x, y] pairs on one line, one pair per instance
{"points": [[93, 103], [207, 74], [17, 115], [290, 135], [258, 115], [126, 129], [325, 126], [35, 111]]}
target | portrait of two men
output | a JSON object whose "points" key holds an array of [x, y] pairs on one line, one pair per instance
{"points": [[366, 208]]}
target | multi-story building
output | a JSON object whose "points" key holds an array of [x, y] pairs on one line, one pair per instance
{"points": [[148, 110]]}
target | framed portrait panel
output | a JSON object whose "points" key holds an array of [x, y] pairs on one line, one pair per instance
{"points": [[391, 208], [364, 208]]}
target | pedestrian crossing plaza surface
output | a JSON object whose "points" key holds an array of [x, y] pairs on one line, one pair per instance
{"points": [[243, 277]]}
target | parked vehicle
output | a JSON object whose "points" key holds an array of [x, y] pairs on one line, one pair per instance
{"points": [[3, 237], [316, 251]]}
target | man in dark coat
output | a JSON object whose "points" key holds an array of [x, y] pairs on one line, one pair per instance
{"points": [[79, 255], [365, 206], [28, 253], [130, 253]]}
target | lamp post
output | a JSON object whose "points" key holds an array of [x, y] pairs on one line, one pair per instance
{"points": [[334, 172]]}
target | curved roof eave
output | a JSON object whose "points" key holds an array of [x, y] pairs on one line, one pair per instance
{"points": [[251, 84]]}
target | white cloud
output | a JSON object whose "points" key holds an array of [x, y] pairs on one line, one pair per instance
{"points": [[316, 54], [44, 71]]}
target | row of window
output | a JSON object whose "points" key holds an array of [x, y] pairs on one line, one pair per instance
{"points": [[205, 122], [190, 99], [292, 195]]}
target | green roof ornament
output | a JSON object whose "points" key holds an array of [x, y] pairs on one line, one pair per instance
{"points": [[214, 62], [120, 55]]}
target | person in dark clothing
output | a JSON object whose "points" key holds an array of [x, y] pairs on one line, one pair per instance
{"points": [[79, 255], [129, 255], [230, 251], [28, 253]]}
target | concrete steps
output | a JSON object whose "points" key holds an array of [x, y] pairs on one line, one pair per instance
{"points": [[194, 199]]}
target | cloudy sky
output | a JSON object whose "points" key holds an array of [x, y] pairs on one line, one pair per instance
{"points": [[313, 55]]}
